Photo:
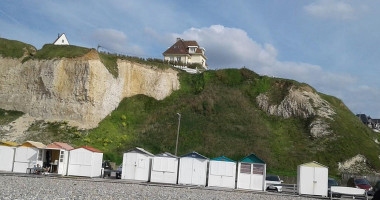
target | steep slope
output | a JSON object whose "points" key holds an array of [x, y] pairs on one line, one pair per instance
{"points": [[231, 112], [78, 89], [221, 116]]}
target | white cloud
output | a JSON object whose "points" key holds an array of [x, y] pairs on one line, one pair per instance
{"points": [[232, 47], [331, 9], [115, 41]]}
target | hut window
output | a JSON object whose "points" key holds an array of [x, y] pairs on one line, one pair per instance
{"points": [[61, 157], [245, 168], [258, 169]]}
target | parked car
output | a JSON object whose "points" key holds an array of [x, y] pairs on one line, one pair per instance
{"points": [[273, 182], [118, 171], [332, 182], [361, 183]]}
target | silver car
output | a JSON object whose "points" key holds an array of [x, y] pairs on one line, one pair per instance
{"points": [[273, 182]]}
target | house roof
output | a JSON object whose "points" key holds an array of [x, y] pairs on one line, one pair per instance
{"points": [[6, 143], [223, 158], [60, 145], [252, 159], [166, 154], [182, 47], [313, 164], [363, 118], [194, 155], [90, 149], [62, 36], [376, 121], [33, 144], [140, 150]]}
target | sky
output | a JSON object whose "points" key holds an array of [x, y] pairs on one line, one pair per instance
{"points": [[332, 45]]}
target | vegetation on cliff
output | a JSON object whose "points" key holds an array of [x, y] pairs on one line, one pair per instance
{"points": [[220, 116], [15, 49]]}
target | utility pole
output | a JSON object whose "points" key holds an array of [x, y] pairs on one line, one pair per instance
{"points": [[179, 124]]}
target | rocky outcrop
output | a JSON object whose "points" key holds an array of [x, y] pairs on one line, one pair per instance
{"points": [[301, 102], [80, 91], [355, 165]]}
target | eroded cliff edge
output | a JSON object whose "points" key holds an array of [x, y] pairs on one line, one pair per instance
{"points": [[80, 91]]}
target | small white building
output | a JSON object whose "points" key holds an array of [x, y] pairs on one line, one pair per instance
{"points": [[28, 155], [85, 161], [61, 40], [56, 156], [7, 154], [136, 164], [193, 169], [312, 179], [164, 168], [222, 172], [251, 173]]}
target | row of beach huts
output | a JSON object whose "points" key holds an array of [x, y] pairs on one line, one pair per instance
{"points": [[138, 164]]}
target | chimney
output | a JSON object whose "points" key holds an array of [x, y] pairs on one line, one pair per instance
{"points": [[178, 39]]}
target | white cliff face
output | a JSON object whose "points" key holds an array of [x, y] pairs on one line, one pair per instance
{"points": [[301, 103], [79, 91]]}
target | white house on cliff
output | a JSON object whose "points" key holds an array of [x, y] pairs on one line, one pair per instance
{"points": [[61, 40], [186, 52]]}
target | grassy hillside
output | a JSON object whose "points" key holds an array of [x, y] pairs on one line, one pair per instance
{"points": [[220, 117], [15, 49]]}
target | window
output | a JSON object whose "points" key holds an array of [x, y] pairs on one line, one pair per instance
{"points": [[63, 41], [178, 59], [171, 58], [245, 168], [61, 156], [258, 169]]}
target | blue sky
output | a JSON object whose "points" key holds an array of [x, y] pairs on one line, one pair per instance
{"points": [[330, 44]]}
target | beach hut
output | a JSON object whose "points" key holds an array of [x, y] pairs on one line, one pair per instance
{"points": [[56, 156], [164, 168], [193, 169], [251, 173], [28, 155], [85, 161], [136, 164], [222, 172], [312, 179], [7, 153]]}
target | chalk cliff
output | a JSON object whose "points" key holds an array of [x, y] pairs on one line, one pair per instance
{"points": [[80, 91]]}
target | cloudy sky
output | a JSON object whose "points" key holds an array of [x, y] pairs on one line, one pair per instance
{"points": [[330, 44]]}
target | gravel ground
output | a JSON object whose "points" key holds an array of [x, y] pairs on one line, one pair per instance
{"points": [[15, 187]]}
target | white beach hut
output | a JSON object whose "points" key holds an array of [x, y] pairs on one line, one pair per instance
{"points": [[28, 155], [56, 156], [193, 169], [222, 172], [312, 179], [136, 164], [251, 173], [85, 161], [164, 168], [7, 153]]}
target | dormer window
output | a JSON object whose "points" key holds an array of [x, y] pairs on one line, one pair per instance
{"points": [[192, 49]]}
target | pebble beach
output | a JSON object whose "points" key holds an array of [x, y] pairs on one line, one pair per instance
{"points": [[41, 187]]}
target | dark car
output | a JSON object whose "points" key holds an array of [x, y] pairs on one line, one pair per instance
{"points": [[377, 186], [332, 182], [361, 183], [118, 171]]}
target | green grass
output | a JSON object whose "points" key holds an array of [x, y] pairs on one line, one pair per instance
{"points": [[110, 61], [15, 49], [7, 116], [50, 51]]}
